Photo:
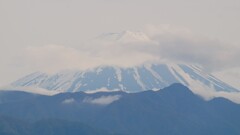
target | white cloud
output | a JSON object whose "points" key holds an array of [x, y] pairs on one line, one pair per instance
{"points": [[68, 101], [165, 43], [103, 89], [52, 58], [233, 96], [181, 45], [230, 76], [103, 100], [34, 90], [209, 94]]}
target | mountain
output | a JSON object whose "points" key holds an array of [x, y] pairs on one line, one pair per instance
{"points": [[133, 79], [11, 126], [123, 37], [174, 110]]}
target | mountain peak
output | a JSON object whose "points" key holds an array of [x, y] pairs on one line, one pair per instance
{"points": [[124, 37], [177, 88]]}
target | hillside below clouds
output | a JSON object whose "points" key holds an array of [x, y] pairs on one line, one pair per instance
{"points": [[174, 110]]}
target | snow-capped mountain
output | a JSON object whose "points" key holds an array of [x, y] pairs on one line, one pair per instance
{"points": [[131, 79], [135, 79], [124, 37]]}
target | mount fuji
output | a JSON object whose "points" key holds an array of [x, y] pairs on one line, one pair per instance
{"points": [[123, 37], [129, 79], [134, 79]]}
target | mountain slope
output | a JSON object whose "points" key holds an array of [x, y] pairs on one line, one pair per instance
{"points": [[10, 126], [139, 78], [174, 110]]}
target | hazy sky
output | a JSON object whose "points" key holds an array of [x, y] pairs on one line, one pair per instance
{"points": [[32, 31]]}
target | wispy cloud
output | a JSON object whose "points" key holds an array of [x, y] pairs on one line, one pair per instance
{"points": [[29, 90], [68, 101], [103, 100], [161, 43], [181, 45]]}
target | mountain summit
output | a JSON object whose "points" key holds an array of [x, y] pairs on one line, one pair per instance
{"points": [[124, 37]]}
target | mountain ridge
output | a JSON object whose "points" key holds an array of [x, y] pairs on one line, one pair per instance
{"points": [[133, 79], [174, 110]]}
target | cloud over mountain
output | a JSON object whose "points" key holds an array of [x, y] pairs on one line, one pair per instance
{"points": [[183, 46], [128, 49]]}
